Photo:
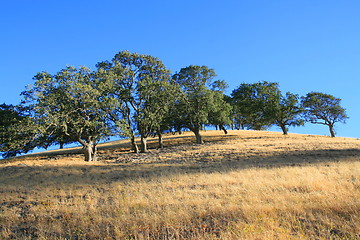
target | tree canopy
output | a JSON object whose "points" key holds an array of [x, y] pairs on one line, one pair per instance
{"points": [[325, 109], [198, 105], [255, 104], [71, 103], [17, 131], [288, 112], [142, 89]]}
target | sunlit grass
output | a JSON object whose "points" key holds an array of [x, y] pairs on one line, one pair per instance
{"points": [[247, 185]]}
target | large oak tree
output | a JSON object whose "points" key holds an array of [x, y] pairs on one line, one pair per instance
{"points": [[141, 87], [71, 103]]}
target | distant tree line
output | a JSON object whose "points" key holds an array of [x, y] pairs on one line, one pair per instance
{"points": [[136, 95]]}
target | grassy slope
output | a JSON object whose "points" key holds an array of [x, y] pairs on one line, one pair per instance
{"points": [[244, 185]]}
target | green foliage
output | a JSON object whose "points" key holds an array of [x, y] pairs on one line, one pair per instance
{"points": [[219, 85], [220, 112], [198, 105], [70, 104], [17, 131], [288, 112], [254, 104], [325, 109], [142, 87], [158, 97], [193, 78]]}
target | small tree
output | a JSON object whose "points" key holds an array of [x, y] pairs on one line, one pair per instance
{"points": [[220, 114], [255, 104], [325, 109], [288, 112], [198, 105], [237, 121], [70, 103]]}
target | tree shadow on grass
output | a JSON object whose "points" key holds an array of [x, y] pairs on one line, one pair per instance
{"points": [[120, 146], [154, 166]]}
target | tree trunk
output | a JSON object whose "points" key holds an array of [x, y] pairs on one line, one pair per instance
{"points": [[127, 115], [88, 151], [223, 128], [284, 129], [198, 136], [134, 146], [143, 146], [95, 158], [332, 132], [161, 143], [61, 145]]}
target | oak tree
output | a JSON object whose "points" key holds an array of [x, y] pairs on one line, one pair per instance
{"points": [[325, 109], [288, 112], [254, 103], [142, 89], [198, 105], [70, 102]]}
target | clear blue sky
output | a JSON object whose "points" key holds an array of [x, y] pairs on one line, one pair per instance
{"points": [[304, 45]]}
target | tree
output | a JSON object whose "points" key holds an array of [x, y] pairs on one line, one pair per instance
{"points": [[325, 109], [288, 112], [255, 104], [158, 96], [237, 121], [141, 85], [71, 103], [17, 131], [220, 114], [196, 103]]}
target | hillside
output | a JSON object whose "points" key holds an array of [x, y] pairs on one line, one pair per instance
{"points": [[243, 185]]}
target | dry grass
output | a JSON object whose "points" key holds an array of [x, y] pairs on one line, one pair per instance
{"points": [[245, 185]]}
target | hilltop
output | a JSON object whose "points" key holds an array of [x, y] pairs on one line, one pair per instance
{"points": [[246, 184]]}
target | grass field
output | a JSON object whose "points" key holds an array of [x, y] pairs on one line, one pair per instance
{"points": [[243, 185]]}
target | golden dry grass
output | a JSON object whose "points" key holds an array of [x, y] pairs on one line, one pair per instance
{"points": [[244, 185]]}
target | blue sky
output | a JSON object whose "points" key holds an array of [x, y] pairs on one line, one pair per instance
{"points": [[304, 45]]}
